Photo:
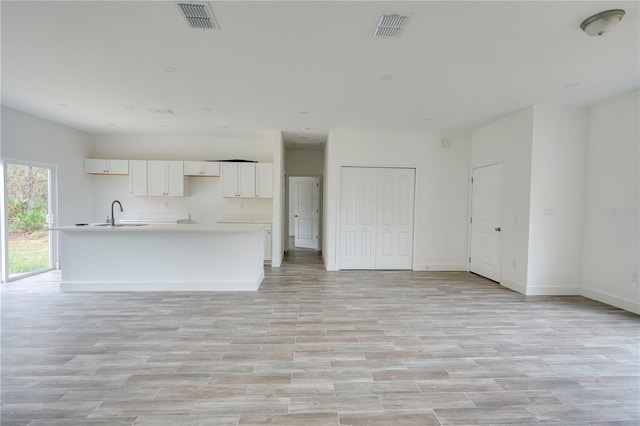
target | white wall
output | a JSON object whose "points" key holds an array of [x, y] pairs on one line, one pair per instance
{"points": [[611, 223], [441, 192], [33, 139], [204, 201], [509, 141], [557, 200], [304, 162]]}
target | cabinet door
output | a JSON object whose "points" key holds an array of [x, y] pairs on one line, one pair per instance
{"points": [[175, 178], [193, 168], [247, 179], [264, 180], [267, 244], [95, 166], [229, 173], [211, 168], [157, 183], [138, 177], [118, 167]]}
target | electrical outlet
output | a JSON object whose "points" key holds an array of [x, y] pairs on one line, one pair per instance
{"points": [[634, 277]]}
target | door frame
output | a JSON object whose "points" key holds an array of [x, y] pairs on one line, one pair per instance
{"points": [[470, 215], [4, 219], [338, 211]]}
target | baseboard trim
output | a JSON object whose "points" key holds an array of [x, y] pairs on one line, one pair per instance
{"points": [[518, 288], [454, 267], [610, 299], [553, 291], [108, 286], [331, 267]]}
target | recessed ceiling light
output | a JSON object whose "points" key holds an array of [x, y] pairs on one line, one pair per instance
{"points": [[63, 105], [386, 77], [170, 69], [570, 85], [206, 109]]}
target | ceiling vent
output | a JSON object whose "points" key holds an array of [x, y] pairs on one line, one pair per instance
{"points": [[198, 14], [389, 25]]}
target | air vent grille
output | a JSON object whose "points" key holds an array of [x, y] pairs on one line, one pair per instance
{"points": [[198, 15], [389, 25]]}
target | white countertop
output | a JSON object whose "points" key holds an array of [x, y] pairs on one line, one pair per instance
{"points": [[246, 219], [221, 227]]}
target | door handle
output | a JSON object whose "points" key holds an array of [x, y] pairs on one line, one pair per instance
{"points": [[296, 216], [498, 229]]}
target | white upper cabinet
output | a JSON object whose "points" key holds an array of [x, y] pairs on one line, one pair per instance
{"points": [[138, 177], [106, 167], [238, 179], [264, 180], [201, 168], [248, 180], [165, 178]]}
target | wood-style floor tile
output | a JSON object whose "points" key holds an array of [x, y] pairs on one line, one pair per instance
{"points": [[313, 347]]}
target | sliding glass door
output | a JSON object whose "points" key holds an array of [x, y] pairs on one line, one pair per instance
{"points": [[28, 244]]}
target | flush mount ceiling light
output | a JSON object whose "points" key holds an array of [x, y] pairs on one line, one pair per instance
{"points": [[602, 22]]}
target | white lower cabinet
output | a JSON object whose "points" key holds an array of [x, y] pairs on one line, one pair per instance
{"points": [[267, 243], [165, 178]]}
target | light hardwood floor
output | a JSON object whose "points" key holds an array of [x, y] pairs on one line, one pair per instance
{"points": [[317, 348]]}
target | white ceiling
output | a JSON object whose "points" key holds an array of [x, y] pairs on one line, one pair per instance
{"points": [[101, 66]]}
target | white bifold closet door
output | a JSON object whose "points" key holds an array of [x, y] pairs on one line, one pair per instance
{"points": [[376, 220]]}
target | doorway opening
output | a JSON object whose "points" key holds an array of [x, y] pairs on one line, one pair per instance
{"points": [[304, 213], [28, 213]]}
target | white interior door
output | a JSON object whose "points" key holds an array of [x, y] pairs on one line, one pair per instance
{"points": [[358, 218], [376, 219], [394, 248], [486, 217], [306, 213]]}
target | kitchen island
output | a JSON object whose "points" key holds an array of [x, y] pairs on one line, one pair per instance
{"points": [[182, 257]]}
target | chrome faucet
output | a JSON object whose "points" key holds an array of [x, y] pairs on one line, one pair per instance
{"points": [[113, 221]]}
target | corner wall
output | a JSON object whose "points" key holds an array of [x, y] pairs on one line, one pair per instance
{"points": [[557, 200], [509, 141], [611, 253]]}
